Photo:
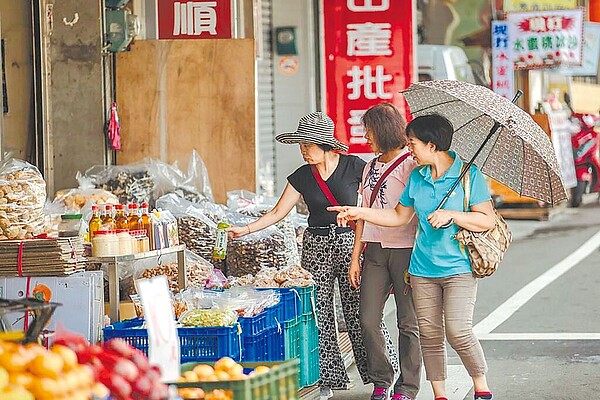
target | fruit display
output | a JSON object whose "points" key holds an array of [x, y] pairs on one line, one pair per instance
{"points": [[223, 370], [29, 372], [122, 369]]}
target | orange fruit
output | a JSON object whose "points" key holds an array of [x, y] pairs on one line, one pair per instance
{"points": [[210, 378], [45, 388], [21, 379], [222, 375], [190, 376], [4, 378], [261, 369], [68, 356], [47, 365], [15, 392], [203, 370], [13, 362], [224, 364], [236, 371]]}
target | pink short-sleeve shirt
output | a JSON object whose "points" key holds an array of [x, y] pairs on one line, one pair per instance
{"points": [[389, 193]]}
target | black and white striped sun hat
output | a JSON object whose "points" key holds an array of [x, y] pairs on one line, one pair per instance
{"points": [[316, 128]]}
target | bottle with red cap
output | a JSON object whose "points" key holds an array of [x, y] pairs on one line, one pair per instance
{"points": [[135, 222], [95, 223], [108, 222], [121, 220]]}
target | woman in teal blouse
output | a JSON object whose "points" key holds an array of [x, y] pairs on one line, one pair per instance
{"points": [[444, 288]]}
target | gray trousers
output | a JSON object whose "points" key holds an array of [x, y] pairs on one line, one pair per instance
{"points": [[445, 310], [383, 269]]}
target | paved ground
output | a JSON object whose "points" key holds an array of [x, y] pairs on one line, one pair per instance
{"points": [[538, 317]]}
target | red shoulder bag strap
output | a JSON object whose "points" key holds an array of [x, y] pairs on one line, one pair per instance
{"points": [[384, 176], [327, 192]]}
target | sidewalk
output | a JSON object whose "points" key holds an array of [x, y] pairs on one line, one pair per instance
{"points": [[458, 384]]}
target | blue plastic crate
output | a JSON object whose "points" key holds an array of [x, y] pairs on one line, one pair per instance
{"points": [[196, 344], [260, 322], [266, 346], [289, 304]]}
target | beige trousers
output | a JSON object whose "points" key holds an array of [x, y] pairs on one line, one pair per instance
{"points": [[444, 308]]}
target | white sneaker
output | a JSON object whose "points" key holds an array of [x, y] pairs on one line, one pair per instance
{"points": [[326, 393]]}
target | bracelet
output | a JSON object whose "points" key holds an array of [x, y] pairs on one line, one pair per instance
{"points": [[248, 226]]}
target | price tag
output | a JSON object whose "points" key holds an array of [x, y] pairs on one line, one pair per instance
{"points": [[163, 340]]}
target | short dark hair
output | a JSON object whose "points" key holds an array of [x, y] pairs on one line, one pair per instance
{"points": [[325, 147], [432, 128], [387, 125]]}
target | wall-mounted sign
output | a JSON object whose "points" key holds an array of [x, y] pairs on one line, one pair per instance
{"points": [[502, 66], [288, 65], [181, 19], [537, 5], [591, 52], [368, 60], [546, 39]]}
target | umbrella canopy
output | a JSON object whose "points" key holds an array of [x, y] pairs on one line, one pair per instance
{"points": [[519, 154]]}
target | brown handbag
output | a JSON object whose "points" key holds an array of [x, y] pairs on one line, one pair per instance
{"points": [[486, 249]]}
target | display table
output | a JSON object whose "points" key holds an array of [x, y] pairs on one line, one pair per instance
{"points": [[115, 262]]}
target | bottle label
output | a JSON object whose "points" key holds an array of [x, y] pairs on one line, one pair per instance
{"points": [[220, 249]]}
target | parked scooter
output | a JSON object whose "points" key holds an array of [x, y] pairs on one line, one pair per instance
{"points": [[586, 154]]}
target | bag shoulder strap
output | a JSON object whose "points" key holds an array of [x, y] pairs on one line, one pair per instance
{"points": [[327, 192], [385, 175], [324, 188], [466, 182]]}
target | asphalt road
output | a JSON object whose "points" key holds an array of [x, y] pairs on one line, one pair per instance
{"points": [[538, 317]]}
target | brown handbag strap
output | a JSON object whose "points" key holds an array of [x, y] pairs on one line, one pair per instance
{"points": [[384, 177], [467, 188], [327, 192]]}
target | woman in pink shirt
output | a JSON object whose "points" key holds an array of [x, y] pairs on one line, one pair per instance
{"points": [[386, 254]]}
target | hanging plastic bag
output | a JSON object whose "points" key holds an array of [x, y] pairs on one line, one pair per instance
{"points": [[193, 186], [113, 129], [22, 199], [131, 183]]}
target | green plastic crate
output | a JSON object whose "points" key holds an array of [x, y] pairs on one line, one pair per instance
{"points": [[281, 382], [308, 299], [291, 333], [309, 351]]}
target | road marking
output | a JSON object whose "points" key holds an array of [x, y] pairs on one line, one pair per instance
{"points": [[516, 301], [458, 384], [540, 336]]}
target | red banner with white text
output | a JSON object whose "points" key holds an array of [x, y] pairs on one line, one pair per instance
{"points": [[181, 19], [369, 58]]}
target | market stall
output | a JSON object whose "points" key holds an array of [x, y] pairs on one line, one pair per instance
{"points": [[244, 300]]}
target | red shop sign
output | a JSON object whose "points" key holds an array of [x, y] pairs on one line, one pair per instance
{"points": [[368, 59], [181, 19]]}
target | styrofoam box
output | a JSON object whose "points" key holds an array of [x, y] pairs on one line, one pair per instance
{"points": [[81, 296]]}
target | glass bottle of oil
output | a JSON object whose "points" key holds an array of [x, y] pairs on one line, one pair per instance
{"points": [[121, 220], [108, 222], [95, 223], [135, 222]]}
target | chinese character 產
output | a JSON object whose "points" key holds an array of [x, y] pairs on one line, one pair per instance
{"points": [[369, 39]]}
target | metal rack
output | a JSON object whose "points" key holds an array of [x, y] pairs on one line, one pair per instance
{"points": [[113, 273], [41, 312]]}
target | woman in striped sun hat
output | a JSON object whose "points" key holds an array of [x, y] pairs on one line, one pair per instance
{"points": [[326, 247]]}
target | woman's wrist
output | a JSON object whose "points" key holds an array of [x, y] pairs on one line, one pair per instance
{"points": [[248, 227]]}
